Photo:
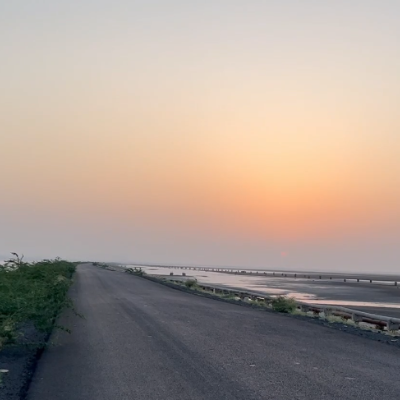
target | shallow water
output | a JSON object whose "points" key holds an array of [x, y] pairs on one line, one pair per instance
{"points": [[382, 294]]}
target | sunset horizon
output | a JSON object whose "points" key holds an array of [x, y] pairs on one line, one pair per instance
{"points": [[246, 134]]}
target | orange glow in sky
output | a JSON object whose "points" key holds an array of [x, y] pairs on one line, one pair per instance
{"points": [[134, 126]]}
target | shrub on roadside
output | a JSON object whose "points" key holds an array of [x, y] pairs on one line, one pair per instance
{"points": [[32, 292], [101, 265], [283, 304], [135, 271], [191, 283]]}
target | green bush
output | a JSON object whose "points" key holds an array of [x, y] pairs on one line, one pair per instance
{"points": [[284, 304], [101, 265], [191, 283], [32, 292]]}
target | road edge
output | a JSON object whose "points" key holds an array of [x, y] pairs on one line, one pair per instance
{"points": [[376, 336]]}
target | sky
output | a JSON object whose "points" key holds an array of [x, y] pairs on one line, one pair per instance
{"points": [[217, 132]]}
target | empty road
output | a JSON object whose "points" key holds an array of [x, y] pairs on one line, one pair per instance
{"points": [[141, 340]]}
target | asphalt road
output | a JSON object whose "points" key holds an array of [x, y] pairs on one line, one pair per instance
{"points": [[141, 340]]}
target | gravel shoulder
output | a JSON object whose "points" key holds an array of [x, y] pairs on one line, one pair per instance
{"points": [[20, 361]]}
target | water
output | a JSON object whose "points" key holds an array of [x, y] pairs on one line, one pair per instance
{"points": [[382, 294]]}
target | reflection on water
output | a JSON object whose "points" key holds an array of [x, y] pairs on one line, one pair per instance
{"points": [[332, 292]]}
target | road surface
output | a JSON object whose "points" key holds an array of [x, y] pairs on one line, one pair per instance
{"points": [[141, 340]]}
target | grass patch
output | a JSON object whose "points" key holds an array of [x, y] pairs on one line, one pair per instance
{"points": [[284, 304], [229, 296], [32, 293]]}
